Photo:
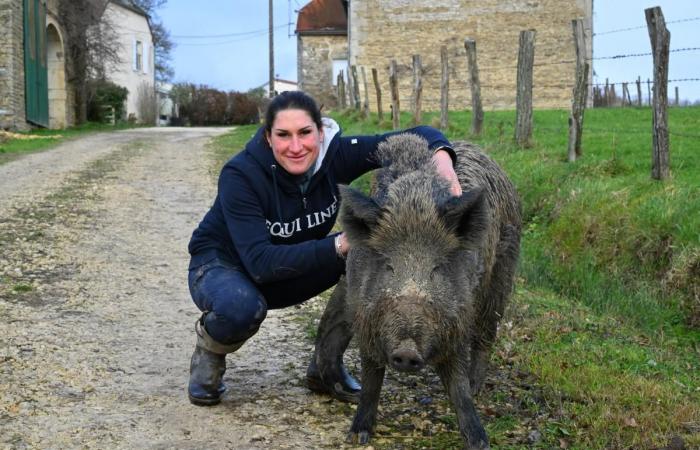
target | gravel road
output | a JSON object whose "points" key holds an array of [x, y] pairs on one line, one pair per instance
{"points": [[97, 324]]}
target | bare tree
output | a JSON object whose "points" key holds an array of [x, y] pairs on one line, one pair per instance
{"points": [[90, 47], [146, 104]]}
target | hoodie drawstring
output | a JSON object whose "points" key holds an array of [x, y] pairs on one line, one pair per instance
{"points": [[275, 193], [333, 187]]}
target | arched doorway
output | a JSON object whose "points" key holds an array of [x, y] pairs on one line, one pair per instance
{"points": [[55, 61]]}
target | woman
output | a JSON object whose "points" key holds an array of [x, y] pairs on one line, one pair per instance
{"points": [[265, 242]]}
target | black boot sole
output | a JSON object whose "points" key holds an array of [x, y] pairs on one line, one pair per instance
{"points": [[204, 401], [317, 385]]}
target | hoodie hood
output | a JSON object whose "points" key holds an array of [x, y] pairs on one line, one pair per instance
{"points": [[330, 130]]}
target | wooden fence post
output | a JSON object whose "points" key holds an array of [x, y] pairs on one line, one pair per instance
{"points": [[355, 88], [395, 107], [578, 102], [597, 102], [341, 90], [607, 93], [477, 108], [523, 101], [349, 88], [626, 99], [639, 91], [444, 88], [378, 89], [365, 106], [677, 98], [417, 89], [660, 43]]}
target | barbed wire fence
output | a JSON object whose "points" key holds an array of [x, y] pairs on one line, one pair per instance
{"points": [[597, 94]]}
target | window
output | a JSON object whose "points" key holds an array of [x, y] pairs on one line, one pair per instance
{"points": [[338, 66], [138, 56]]}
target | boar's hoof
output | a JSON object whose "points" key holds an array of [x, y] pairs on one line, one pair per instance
{"points": [[406, 360], [361, 437]]}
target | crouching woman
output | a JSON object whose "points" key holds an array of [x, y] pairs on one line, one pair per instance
{"points": [[266, 242]]}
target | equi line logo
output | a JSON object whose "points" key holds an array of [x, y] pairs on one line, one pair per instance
{"points": [[311, 220]]}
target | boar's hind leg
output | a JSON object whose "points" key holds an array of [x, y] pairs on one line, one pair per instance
{"points": [[491, 308], [456, 381], [366, 415]]}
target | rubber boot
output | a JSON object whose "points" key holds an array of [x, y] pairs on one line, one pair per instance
{"points": [[326, 372], [207, 367]]}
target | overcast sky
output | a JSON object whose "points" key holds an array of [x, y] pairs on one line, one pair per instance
{"points": [[237, 58]]}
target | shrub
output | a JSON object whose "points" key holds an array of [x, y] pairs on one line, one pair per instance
{"points": [[102, 96], [242, 109], [203, 105]]}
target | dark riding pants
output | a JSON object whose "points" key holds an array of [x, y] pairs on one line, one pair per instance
{"points": [[237, 306]]}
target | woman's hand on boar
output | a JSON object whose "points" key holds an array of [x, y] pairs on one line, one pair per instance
{"points": [[443, 164], [342, 246]]}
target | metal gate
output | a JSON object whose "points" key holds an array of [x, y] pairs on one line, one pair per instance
{"points": [[36, 84]]}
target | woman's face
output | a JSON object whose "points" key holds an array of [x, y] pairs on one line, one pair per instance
{"points": [[295, 140]]}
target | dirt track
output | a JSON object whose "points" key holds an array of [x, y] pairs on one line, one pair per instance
{"points": [[97, 324]]}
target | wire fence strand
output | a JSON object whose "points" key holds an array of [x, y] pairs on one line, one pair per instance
{"points": [[621, 30]]}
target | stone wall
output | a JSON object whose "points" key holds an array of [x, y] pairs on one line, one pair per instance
{"points": [[12, 113], [12, 100], [397, 29], [315, 55]]}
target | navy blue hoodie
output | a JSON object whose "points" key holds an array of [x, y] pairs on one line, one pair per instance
{"points": [[262, 222]]}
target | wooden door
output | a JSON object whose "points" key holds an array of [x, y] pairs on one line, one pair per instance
{"points": [[36, 86]]}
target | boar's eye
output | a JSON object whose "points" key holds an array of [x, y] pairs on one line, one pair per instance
{"points": [[389, 268], [435, 272]]}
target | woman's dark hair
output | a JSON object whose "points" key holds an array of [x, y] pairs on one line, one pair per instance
{"points": [[291, 100]]}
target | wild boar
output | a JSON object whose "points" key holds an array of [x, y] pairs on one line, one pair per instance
{"points": [[429, 274]]}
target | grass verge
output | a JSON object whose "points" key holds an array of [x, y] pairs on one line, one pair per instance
{"points": [[43, 139]]}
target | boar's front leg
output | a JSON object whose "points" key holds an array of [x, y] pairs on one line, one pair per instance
{"points": [[455, 378], [366, 415]]}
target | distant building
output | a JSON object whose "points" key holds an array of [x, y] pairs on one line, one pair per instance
{"points": [[34, 90], [167, 109], [372, 33], [280, 86], [136, 51], [322, 48]]}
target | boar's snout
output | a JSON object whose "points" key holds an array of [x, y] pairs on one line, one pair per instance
{"points": [[406, 358]]}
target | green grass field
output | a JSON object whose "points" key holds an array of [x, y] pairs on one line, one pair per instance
{"points": [[605, 322]]}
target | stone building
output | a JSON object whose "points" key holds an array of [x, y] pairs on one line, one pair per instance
{"points": [[322, 48], [33, 87], [136, 69], [379, 31], [34, 90]]}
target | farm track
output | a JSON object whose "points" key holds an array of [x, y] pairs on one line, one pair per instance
{"points": [[97, 325]]}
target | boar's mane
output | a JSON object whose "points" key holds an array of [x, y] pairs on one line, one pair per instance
{"points": [[409, 197]]}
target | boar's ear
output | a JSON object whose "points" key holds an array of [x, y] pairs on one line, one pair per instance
{"points": [[467, 215], [358, 213]]}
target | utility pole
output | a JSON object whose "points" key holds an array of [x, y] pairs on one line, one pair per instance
{"points": [[272, 53]]}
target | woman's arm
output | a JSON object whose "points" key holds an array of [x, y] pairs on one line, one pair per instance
{"points": [[263, 260], [357, 155]]}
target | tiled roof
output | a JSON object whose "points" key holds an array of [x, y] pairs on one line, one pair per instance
{"points": [[128, 4], [323, 17]]}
